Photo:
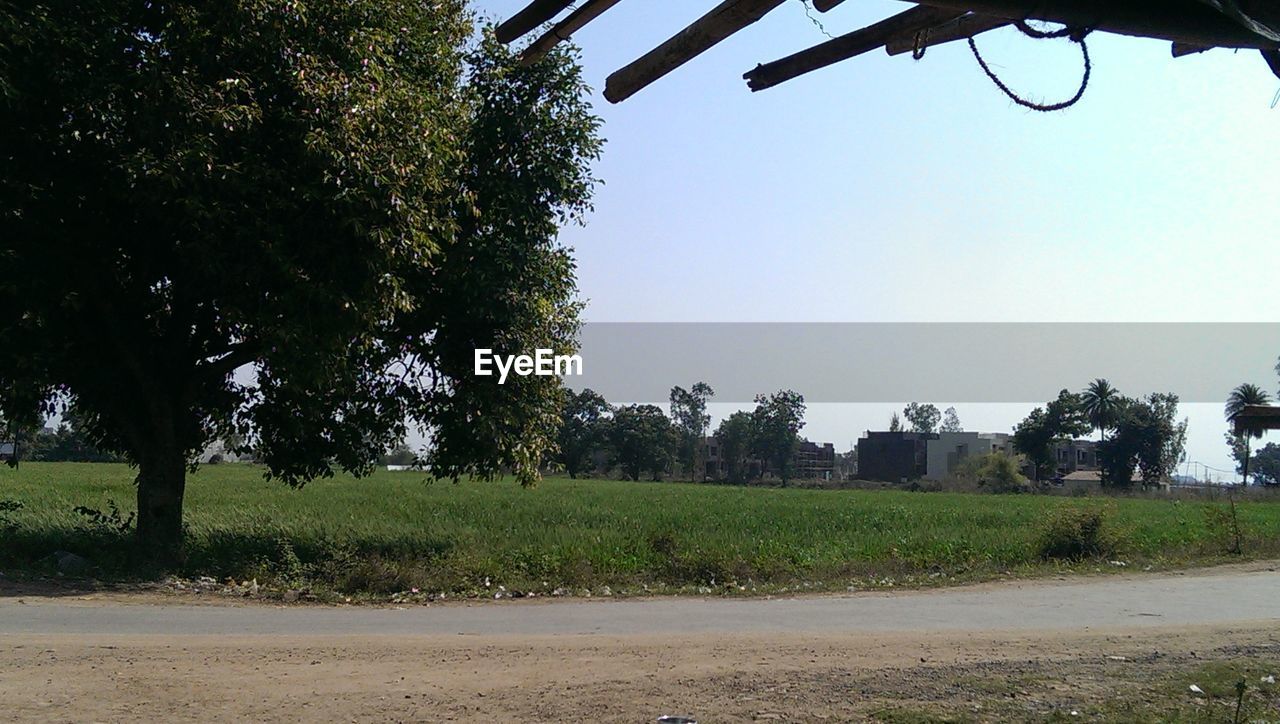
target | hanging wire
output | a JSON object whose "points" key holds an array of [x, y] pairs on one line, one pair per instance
{"points": [[808, 12], [1076, 35]]}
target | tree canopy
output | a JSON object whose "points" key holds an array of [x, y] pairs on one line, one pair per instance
{"points": [[344, 196], [923, 418], [951, 421], [1102, 405], [1148, 439], [641, 440], [583, 430], [690, 418], [777, 421], [1266, 465], [1060, 419], [735, 435]]}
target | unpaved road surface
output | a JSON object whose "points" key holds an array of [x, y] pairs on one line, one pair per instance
{"points": [[1010, 651], [1201, 597]]}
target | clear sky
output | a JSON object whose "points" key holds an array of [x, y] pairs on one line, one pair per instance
{"points": [[886, 189]]}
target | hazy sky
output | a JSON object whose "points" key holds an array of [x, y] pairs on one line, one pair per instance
{"points": [[885, 189]]}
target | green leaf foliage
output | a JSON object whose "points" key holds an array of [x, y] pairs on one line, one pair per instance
{"points": [[342, 199]]}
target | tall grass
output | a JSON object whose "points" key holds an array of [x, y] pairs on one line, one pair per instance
{"points": [[394, 531]]}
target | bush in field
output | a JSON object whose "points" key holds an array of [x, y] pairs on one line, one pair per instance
{"points": [[7, 508], [994, 472], [1074, 534]]}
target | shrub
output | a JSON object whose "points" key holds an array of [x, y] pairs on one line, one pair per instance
{"points": [[7, 508], [994, 472], [1074, 534], [1224, 525], [111, 522]]}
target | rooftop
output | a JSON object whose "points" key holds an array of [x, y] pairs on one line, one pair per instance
{"points": [[1192, 26], [1256, 418]]}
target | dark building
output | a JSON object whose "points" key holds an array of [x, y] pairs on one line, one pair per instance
{"points": [[893, 456]]}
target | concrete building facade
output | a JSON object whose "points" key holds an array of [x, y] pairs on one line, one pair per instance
{"points": [[948, 450]]}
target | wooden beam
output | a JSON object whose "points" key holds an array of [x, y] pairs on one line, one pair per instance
{"points": [[533, 15], [1273, 60], [965, 26], [722, 21], [824, 5], [564, 29], [1181, 49], [847, 46], [1183, 21]]}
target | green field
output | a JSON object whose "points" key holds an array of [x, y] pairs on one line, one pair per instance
{"points": [[394, 532]]}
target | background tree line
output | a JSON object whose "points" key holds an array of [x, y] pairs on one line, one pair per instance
{"points": [[640, 440], [1141, 438]]}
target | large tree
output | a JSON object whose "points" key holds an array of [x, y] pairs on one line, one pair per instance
{"points": [[583, 430], [1147, 439], [1266, 465], [777, 421], [735, 436], [1059, 420], [641, 440], [1241, 397], [336, 196], [690, 418]]}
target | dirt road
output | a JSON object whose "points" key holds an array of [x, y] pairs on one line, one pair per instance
{"points": [[1001, 652]]}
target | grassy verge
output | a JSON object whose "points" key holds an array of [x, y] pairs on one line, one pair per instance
{"points": [[393, 533]]}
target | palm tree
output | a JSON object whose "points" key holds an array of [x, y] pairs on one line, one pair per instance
{"points": [[1101, 403], [1241, 397]]}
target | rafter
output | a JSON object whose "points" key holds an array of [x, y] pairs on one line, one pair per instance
{"points": [[1183, 21], [847, 46], [965, 26], [533, 15], [1192, 26], [564, 29], [1273, 60], [722, 21]]}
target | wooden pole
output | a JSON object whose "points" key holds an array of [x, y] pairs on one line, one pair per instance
{"points": [[965, 26], [847, 46], [1181, 49], [564, 29], [533, 15], [722, 21], [1183, 21], [1273, 60]]}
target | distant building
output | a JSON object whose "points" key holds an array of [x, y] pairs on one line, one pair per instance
{"points": [[815, 461], [894, 456], [948, 450], [812, 461], [1071, 456], [1083, 477], [6, 451]]}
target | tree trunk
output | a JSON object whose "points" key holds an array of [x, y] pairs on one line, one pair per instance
{"points": [[162, 479], [1245, 479]]}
